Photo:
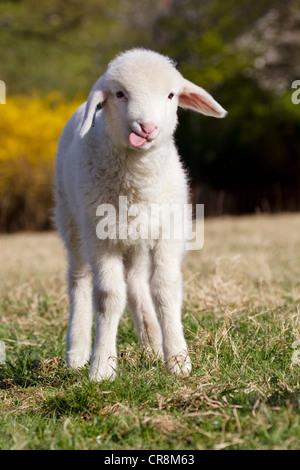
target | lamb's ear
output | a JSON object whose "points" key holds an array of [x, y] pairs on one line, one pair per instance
{"points": [[96, 97], [196, 98]]}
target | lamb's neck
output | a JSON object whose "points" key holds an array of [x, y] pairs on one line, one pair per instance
{"points": [[138, 175]]}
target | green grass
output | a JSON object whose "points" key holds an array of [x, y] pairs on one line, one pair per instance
{"points": [[240, 317]]}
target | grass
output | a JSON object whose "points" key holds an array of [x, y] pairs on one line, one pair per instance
{"points": [[241, 318]]}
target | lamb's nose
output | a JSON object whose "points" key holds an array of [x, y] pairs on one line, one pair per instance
{"points": [[148, 128]]}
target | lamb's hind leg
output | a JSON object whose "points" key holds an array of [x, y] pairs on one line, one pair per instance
{"points": [[140, 300], [110, 301], [81, 310], [166, 286]]}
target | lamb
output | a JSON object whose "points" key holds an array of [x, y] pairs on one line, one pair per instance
{"points": [[120, 143]]}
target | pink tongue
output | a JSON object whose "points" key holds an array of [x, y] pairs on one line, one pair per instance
{"points": [[136, 140]]}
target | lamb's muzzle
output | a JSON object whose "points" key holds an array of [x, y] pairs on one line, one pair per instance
{"points": [[142, 133]]}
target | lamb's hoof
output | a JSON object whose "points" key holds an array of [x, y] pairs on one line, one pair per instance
{"points": [[103, 370], [78, 359], [179, 364]]}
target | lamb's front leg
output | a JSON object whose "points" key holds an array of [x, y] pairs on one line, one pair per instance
{"points": [[79, 338], [110, 301], [166, 286]]}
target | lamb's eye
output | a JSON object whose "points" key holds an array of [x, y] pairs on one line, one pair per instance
{"points": [[120, 94], [171, 96]]}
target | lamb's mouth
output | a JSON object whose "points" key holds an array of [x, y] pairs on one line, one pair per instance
{"points": [[137, 140]]}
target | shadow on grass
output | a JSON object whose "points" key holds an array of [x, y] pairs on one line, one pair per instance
{"points": [[284, 397], [29, 371], [68, 392]]}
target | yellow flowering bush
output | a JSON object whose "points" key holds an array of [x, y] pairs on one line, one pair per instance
{"points": [[29, 131]]}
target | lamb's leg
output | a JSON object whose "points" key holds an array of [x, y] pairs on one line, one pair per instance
{"points": [[81, 311], [140, 301], [110, 301], [166, 286]]}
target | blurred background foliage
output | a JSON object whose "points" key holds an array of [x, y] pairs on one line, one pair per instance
{"points": [[245, 53]]}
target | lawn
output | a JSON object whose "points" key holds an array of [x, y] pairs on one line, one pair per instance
{"points": [[241, 319]]}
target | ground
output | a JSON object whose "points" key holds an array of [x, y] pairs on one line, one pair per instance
{"points": [[242, 323]]}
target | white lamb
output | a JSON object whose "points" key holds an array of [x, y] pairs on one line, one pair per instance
{"points": [[125, 149]]}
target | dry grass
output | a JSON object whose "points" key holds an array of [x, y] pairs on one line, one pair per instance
{"points": [[245, 261], [241, 317]]}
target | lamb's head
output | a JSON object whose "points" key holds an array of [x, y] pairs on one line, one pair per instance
{"points": [[140, 92]]}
